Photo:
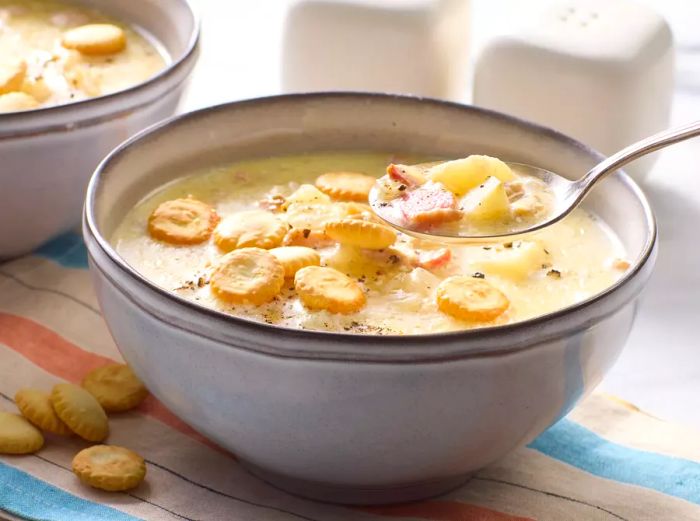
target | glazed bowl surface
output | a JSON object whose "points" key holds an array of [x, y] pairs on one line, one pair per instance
{"points": [[351, 418], [48, 154]]}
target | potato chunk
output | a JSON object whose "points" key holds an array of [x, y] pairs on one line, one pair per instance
{"points": [[461, 175], [308, 194], [515, 262], [487, 202]]}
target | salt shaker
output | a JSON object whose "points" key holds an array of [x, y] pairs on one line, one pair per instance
{"points": [[598, 70], [400, 46]]}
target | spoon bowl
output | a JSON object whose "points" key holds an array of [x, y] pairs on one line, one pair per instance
{"points": [[566, 194], [562, 191]]}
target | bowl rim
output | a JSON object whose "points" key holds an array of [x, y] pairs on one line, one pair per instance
{"points": [[66, 110], [351, 339]]}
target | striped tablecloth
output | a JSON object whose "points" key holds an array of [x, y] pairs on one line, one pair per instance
{"points": [[605, 461]]}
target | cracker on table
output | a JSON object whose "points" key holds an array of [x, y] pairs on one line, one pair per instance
{"points": [[80, 411], [109, 467], [116, 387], [17, 435], [35, 406]]}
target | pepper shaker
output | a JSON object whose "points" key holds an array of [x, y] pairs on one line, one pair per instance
{"points": [[598, 70]]}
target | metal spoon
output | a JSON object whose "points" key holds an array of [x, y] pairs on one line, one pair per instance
{"points": [[567, 194]]}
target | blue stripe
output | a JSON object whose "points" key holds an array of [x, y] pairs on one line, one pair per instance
{"points": [[67, 250], [30, 498], [573, 444]]}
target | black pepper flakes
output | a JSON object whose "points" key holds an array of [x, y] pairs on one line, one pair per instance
{"points": [[402, 188], [394, 259], [508, 245], [555, 274], [306, 232], [478, 275]]}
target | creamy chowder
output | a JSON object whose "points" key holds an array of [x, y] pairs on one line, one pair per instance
{"points": [[290, 241]]}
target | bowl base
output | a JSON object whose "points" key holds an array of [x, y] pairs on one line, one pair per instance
{"points": [[348, 495]]}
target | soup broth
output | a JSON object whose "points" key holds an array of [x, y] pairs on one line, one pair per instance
{"points": [[351, 274]]}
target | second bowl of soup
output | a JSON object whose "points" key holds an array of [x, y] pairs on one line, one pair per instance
{"points": [[76, 79], [250, 286]]}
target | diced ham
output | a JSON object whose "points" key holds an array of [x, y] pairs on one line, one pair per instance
{"points": [[428, 204], [407, 175], [433, 259]]}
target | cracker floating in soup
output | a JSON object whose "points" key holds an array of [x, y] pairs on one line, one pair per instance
{"points": [[291, 251]]}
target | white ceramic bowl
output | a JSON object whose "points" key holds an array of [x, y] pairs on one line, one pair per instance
{"points": [[358, 419], [48, 154]]}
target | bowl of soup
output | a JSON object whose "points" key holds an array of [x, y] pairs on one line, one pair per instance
{"points": [[76, 79], [248, 284]]}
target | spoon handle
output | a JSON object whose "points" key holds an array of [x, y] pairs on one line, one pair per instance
{"points": [[635, 151]]}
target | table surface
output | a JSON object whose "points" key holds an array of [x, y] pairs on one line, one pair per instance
{"points": [[660, 367]]}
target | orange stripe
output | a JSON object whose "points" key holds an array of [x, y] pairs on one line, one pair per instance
{"points": [[56, 355], [444, 511]]}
